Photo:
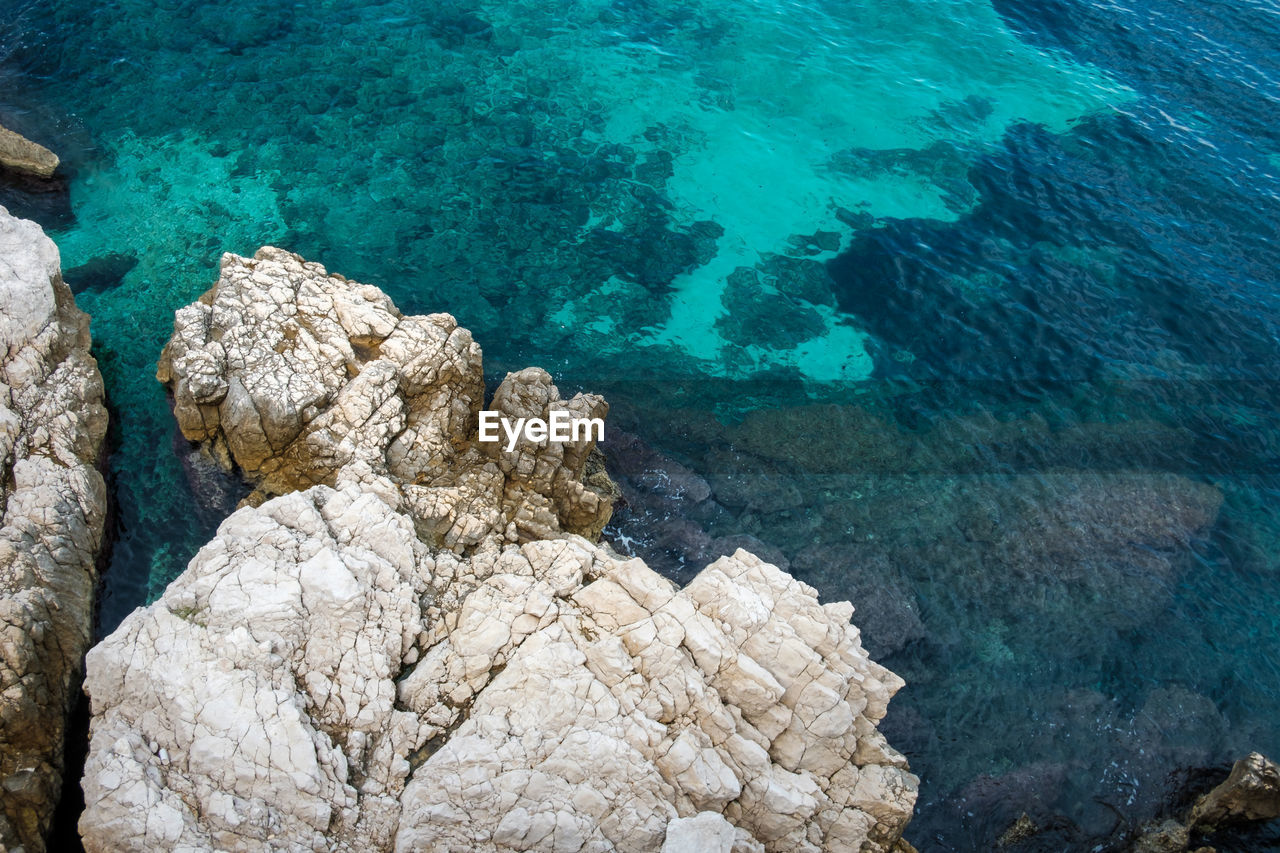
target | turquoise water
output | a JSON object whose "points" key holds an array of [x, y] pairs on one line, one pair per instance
{"points": [[575, 183], [1025, 251]]}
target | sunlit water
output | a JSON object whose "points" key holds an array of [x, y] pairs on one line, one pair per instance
{"points": [[967, 310]]}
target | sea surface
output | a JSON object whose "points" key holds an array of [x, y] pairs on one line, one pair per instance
{"points": [[966, 311]]}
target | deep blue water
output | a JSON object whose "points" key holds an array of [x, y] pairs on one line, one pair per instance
{"points": [[966, 312]]}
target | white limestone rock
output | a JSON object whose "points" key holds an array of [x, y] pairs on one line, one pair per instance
{"points": [[53, 500], [321, 679], [707, 832], [301, 378], [411, 648]]}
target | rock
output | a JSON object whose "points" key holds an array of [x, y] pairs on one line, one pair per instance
{"points": [[707, 832], [215, 490], [22, 155], [46, 201], [1167, 836], [825, 438], [52, 425], [722, 545], [102, 273], [1028, 791], [411, 648], [633, 460], [322, 675], [741, 481], [1019, 831], [867, 440], [301, 378], [665, 511], [1177, 727], [1069, 523], [682, 540], [1251, 792], [910, 732]]}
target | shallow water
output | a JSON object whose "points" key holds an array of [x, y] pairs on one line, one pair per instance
{"points": [[967, 310]]}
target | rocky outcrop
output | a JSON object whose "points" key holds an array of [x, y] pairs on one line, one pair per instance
{"points": [[1251, 792], [416, 651], [22, 155], [321, 679], [52, 424], [302, 378]]}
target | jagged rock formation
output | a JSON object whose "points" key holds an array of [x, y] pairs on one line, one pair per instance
{"points": [[53, 500], [419, 653], [297, 376], [22, 155], [1251, 792], [319, 678]]}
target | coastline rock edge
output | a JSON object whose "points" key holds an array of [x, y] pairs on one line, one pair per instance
{"points": [[54, 503], [356, 664]]}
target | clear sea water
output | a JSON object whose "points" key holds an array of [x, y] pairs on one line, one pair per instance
{"points": [[968, 311]]}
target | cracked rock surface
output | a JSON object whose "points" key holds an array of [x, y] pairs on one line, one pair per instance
{"points": [[1251, 792], [411, 647], [303, 378], [52, 424], [321, 679]]}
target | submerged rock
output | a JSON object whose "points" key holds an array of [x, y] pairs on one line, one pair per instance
{"points": [[1020, 830], [412, 649], [888, 611], [1166, 836], [46, 201], [52, 424], [101, 273]]}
